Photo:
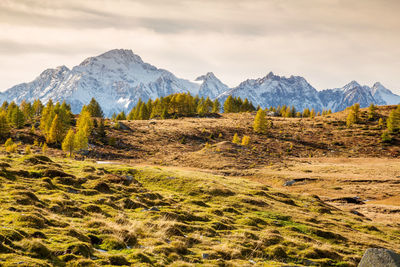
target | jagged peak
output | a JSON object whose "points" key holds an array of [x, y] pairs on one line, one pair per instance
{"points": [[271, 75], [378, 87], [117, 54], [51, 71], [62, 68], [207, 76], [352, 84]]}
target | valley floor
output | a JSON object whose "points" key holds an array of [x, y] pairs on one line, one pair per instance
{"points": [[180, 193]]}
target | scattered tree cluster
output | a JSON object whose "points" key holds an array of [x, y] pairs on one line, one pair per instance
{"points": [[245, 140], [14, 116], [236, 104], [291, 112], [55, 121], [172, 106]]}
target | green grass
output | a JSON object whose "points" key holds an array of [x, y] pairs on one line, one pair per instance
{"points": [[156, 216]]}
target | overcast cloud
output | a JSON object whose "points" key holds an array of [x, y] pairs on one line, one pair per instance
{"points": [[329, 42]]}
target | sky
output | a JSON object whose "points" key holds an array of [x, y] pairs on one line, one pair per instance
{"points": [[329, 42]]}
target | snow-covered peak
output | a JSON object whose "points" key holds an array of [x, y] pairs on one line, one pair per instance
{"points": [[211, 86], [351, 85], [116, 56], [208, 76], [119, 78], [271, 76], [60, 70], [383, 95], [274, 90], [378, 87], [121, 54]]}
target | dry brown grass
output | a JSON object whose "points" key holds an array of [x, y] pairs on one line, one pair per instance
{"points": [[374, 180]]}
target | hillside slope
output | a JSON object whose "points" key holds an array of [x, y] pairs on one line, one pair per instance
{"points": [[58, 212]]}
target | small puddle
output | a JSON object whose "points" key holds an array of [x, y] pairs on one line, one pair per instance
{"points": [[105, 162]]}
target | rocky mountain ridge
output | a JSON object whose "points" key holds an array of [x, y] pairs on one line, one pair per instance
{"points": [[119, 78]]}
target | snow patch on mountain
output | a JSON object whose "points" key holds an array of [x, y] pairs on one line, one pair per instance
{"points": [[384, 95], [119, 78], [211, 86], [273, 90]]}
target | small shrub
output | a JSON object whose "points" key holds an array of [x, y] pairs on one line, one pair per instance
{"points": [[236, 139], [10, 146], [111, 141], [118, 260], [386, 137], [81, 249], [28, 150], [31, 220], [44, 148], [113, 243], [245, 140], [37, 249]]}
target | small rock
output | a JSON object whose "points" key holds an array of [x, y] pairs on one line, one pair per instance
{"points": [[357, 213], [72, 191], [289, 183], [380, 257], [154, 209]]}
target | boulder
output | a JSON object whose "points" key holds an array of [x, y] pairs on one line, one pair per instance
{"points": [[380, 257]]}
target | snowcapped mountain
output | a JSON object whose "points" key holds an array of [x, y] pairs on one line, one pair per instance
{"points": [[211, 86], [119, 78], [341, 98], [273, 90], [384, 95]]}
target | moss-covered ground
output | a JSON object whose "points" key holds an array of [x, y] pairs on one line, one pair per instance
{"points": [[62, 212]]}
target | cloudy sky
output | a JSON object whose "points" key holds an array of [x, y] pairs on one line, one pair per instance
{"points": [[329, 42]]}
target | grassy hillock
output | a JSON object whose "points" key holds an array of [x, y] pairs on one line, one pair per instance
{"points": [[56, 211]]}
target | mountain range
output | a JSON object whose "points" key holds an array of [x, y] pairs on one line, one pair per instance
{"points": [[118, 78]]}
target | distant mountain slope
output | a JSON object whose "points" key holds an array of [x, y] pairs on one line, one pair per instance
{"points": [[211, 86], [119, 78], [275, 90], [351, 93], [384, 95]]}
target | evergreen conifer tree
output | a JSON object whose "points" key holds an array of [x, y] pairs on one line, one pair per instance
{"points": [[68, 144], [245, 140], [4, 126], [56, 133], [312, 114], [216, 106], [393, 121], [229, 105], [351, 118], [261, 123], [372, 112], [81, 140], [85, 123], [144, 113], [236, 139], [95, 109], [121, 116], [17, 118]]}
